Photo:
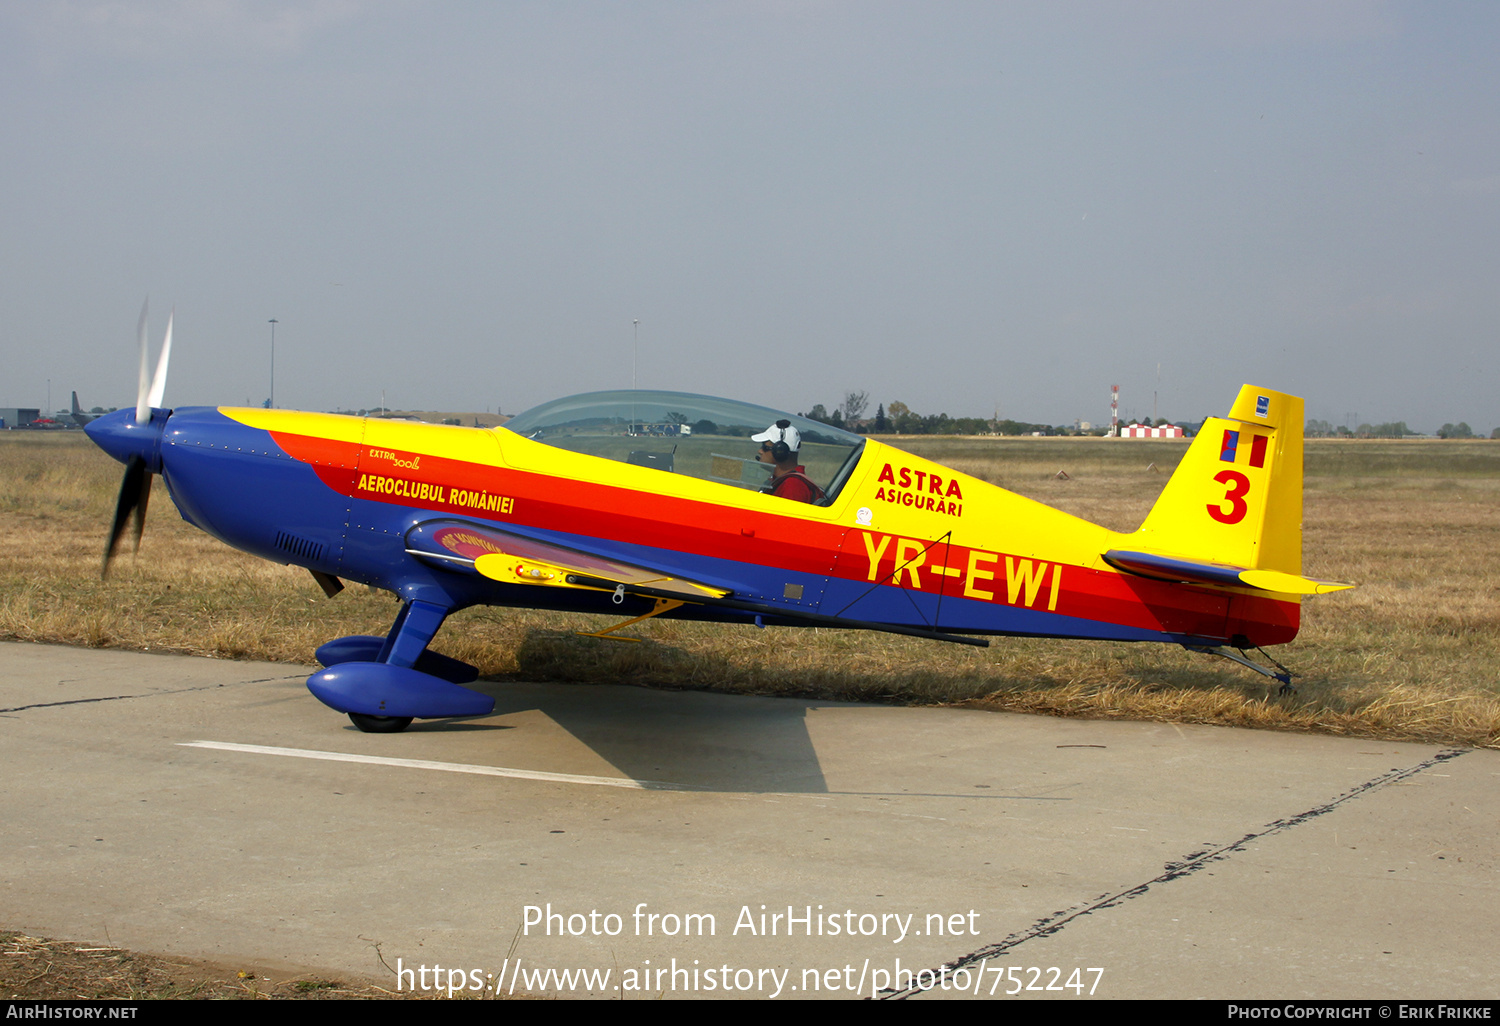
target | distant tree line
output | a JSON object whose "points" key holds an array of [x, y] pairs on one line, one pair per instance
{"points": [[1398, 429], [902, 420], [899, 419]]}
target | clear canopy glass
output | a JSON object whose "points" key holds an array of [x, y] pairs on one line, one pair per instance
{"points": [[681, 433]]}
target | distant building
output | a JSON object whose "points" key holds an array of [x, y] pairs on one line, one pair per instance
{"points": [[1165, 431], [12, 417]]}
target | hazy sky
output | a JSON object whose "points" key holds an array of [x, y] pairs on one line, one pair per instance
{"points": [[957, 205]]}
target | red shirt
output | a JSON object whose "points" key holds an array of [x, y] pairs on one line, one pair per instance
{"points": [[797, 486]]}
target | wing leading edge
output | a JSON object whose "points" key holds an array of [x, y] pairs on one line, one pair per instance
{"points": [[516, 559], [508, 558]]}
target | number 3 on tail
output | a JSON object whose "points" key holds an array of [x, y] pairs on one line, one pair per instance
{"points": [[1238, 484]]}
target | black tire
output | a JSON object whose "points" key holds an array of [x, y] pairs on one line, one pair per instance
{"points": [[380, 724]]}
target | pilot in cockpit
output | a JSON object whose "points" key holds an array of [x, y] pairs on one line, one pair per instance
{"points": [[779, 446]]}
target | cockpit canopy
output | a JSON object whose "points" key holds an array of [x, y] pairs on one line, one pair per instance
{"points": [[682, 433]]}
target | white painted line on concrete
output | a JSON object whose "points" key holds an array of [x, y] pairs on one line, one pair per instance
{"points": [[446, 767], [564, 778]]}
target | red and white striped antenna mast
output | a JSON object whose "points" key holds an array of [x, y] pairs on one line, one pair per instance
{"points": [[1114, 411]]}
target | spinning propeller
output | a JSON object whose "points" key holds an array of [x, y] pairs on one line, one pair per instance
{"points": [[136, 444]]}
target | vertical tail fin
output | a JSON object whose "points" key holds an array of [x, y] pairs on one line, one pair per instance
{"points": [[1236, 497]]}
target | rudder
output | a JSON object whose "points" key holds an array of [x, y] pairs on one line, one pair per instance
{"points": [[1236, 497]]}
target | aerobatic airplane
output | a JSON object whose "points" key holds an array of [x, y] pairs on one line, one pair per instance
{"points": [[658, 504]]}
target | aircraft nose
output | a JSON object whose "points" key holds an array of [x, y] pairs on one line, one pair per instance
{"points": [[119, 435]]}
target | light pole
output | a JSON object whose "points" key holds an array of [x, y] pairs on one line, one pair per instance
{"points": [[272, 400], [635, 359]]}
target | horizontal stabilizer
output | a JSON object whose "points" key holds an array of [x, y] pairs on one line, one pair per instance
{"points": [[1275, 580], [1165, 568]]}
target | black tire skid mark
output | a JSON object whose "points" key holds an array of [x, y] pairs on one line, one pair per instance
{"points": [[1186, 866]]}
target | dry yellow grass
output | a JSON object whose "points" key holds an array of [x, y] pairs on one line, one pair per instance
{"points": [[1409, 655], [38, 969]]}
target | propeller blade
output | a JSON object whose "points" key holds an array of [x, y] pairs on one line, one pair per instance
{"points": [[142, 407], [159, 381], [143, 499], [135, 491]]}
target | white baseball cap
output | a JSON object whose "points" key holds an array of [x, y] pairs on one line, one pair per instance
{"points": [[781, 431]]}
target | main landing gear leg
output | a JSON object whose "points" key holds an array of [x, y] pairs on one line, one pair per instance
{"points": [[412, 632], [408, 639], [403, 681]]}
